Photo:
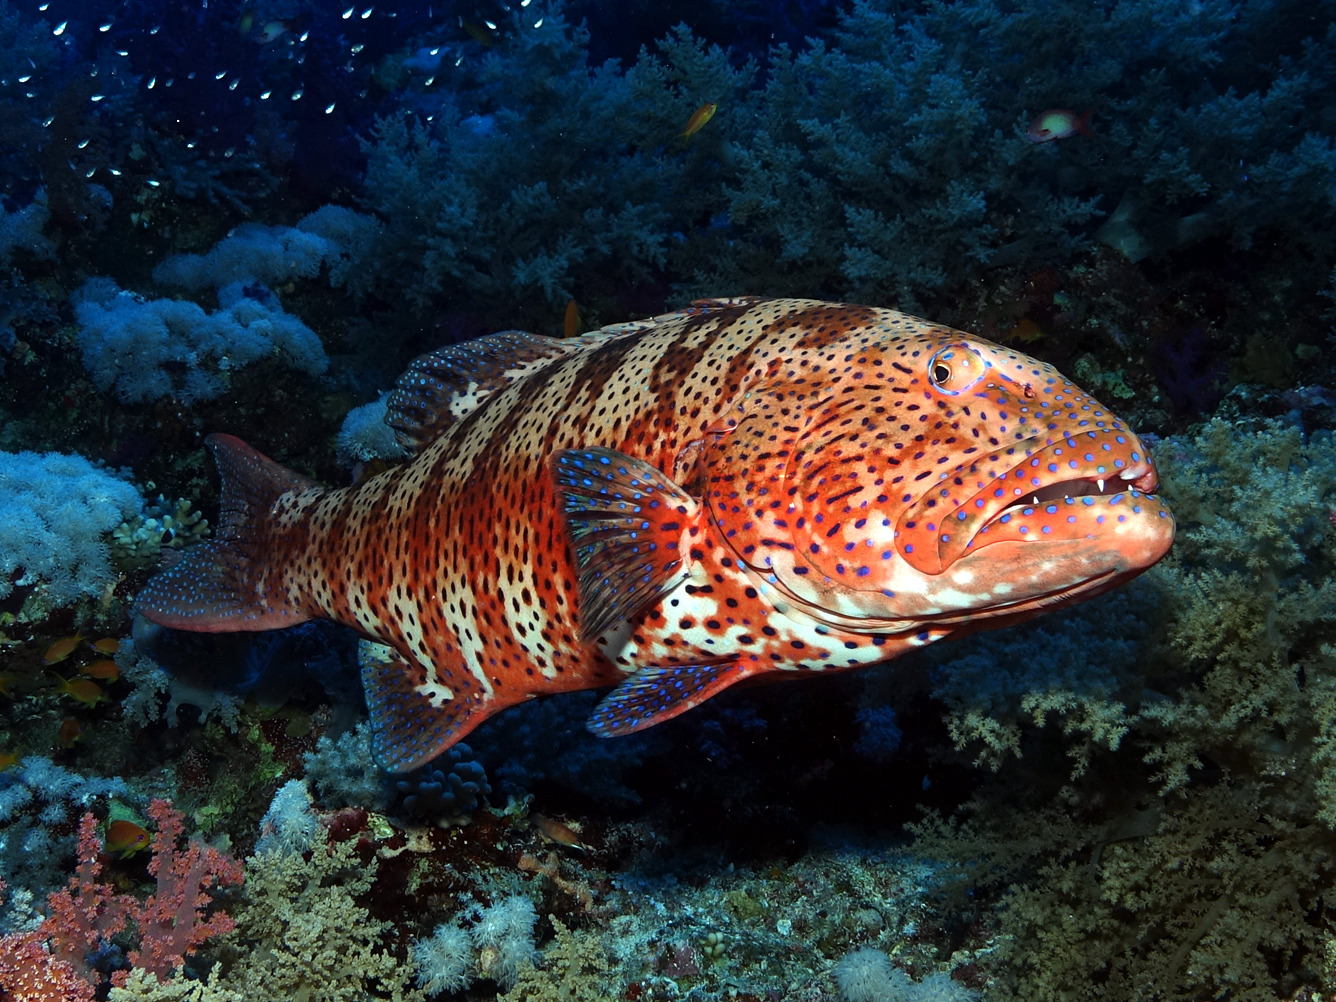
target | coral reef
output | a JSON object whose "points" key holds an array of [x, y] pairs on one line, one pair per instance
{"points": [[249, 217], [83, 918], [300, 931], [57, 512]]}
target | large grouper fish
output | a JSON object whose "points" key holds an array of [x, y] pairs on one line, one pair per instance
{"points": [[746, 489]]}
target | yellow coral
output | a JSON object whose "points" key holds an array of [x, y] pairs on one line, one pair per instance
{"points": [[575, 969]]}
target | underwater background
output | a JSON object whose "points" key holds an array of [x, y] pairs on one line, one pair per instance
{"points": [[249, 218]]}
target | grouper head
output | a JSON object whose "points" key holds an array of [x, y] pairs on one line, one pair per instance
{"points": [[905, 476]]}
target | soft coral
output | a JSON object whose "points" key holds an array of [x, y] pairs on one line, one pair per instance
{"points": [[171, 923]]}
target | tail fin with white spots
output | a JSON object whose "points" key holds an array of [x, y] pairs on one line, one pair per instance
{"points": [[223, 585]]}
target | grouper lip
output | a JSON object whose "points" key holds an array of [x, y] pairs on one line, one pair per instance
{"points": [[1106, 463], [1137, 478]]}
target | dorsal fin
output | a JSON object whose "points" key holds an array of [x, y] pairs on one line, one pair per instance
{"points": [[442, 386], [697, 307]]}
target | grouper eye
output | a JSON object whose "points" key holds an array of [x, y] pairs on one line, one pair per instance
{"points": [[955, 368]]}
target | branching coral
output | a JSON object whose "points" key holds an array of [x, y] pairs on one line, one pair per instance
{"points": [[575, 969], [1191, 856], [302, 934], [85, 915], [542, 179]]}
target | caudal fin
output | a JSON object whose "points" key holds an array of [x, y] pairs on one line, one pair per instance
{"points": [[223, 585]]}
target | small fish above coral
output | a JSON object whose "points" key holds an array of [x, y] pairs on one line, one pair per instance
{"points": [[699, 118], [1057, 123]]}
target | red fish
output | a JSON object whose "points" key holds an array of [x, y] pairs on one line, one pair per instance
{"points": [[1058, 123], [746, 489]]}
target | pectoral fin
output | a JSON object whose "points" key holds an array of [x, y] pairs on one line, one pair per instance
{"points": [[631, 526]]}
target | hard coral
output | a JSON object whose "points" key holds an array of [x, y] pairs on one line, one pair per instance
{"points": [[448, 786]]}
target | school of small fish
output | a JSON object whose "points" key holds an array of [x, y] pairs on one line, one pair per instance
{"points": [[747, 489]]}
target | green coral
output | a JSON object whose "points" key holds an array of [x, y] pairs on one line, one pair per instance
{"points": [[575, 969], [139, 541], [141, 986], [1252, 578], [302, 934]]}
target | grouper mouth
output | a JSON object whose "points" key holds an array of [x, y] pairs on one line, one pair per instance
{"points": [[1096, 485], [1140, 478]]}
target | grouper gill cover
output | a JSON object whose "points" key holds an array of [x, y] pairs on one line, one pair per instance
{"points": [[676, 505]]}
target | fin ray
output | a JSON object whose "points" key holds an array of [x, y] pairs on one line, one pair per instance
{"points": [[212, 588], [653, 695], [628, 522], [408, 726], [443, 386]]}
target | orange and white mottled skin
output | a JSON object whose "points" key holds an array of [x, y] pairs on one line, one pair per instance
{"points": [[845, 483]]}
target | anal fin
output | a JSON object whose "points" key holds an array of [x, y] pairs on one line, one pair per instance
{"points": [[631, 527], [414, 718], [653, 695]]}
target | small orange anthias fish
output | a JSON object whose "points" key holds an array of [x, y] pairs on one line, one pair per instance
{"points": [[107, 670], [699, 117], [70, 732], [84, 690], [126, 837], [1058, 124], [106, 645], [62, 649], [570, 322], [747, 489]]}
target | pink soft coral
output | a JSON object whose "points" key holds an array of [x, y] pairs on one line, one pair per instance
{"points": [[51, 963], [172, 922]]}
